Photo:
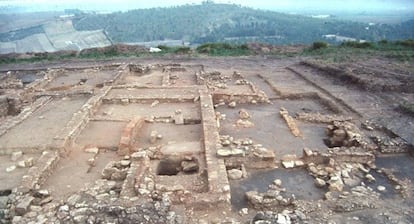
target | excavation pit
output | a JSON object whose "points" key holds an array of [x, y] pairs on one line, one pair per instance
{"points": [[295, 181]]}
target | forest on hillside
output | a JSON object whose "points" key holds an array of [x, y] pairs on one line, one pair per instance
{"points": [[211, 22]]}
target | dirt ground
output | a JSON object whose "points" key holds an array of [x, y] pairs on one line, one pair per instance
{"points": [[210, 140]]}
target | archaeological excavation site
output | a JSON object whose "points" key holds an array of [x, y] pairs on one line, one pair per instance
{"points": [[207, 140]]}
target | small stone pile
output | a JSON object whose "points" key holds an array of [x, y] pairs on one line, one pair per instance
{"points": [[241, 147], [116, 170], [273, 198], [11, 83], [214, 80], [337, 176], [244, 121], [390, 145], [285, 217], [240, 80], [20, 162], [360, 197], [344, 134], [140, 69], [10, 105]]}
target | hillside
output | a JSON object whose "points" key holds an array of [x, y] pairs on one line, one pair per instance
{"points": [[210, 22]]}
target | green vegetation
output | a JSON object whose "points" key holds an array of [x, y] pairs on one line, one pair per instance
{"points": [[224, 49], [346, 52], [318, 45], [20, 34], [356, 44], [212, 23], [407, 108], [406, 43], [174, 50]]}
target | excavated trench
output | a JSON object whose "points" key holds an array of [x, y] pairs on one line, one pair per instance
{"points": [[296, 181]]}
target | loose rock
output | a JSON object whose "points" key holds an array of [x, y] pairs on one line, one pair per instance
{"points": [[381, 188], [232, 104], [16, 155], [320, 183], [235, 174], [93, 150]]}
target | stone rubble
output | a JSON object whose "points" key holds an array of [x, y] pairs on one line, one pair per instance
{"points": [[290, 122], [344, 134], [271, 200]]}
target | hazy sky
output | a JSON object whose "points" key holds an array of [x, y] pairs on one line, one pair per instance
{"points": [[282, 5]]}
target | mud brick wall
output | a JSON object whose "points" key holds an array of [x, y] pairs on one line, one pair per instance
{"points": [[217, 175], [128, 134], [38, 174]]}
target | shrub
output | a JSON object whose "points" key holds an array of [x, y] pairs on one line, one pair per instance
{"points": [[383, 42], [319, 45], [406, 43], [163, 47], [356, 44], [407, 108], [182, 50], [223, 49]]}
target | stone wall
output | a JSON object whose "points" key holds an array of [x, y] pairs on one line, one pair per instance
{"points": [[340, 155], [81, 118], [216, 170], [4, 106], [38, 174]]}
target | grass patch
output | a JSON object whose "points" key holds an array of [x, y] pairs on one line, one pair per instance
{"points": [[223, 49]]}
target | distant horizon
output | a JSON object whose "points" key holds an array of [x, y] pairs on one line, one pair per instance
{"points": [[298, 6]]}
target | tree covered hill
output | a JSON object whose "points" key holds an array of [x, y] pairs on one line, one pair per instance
{"points": [[211, 22]]}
